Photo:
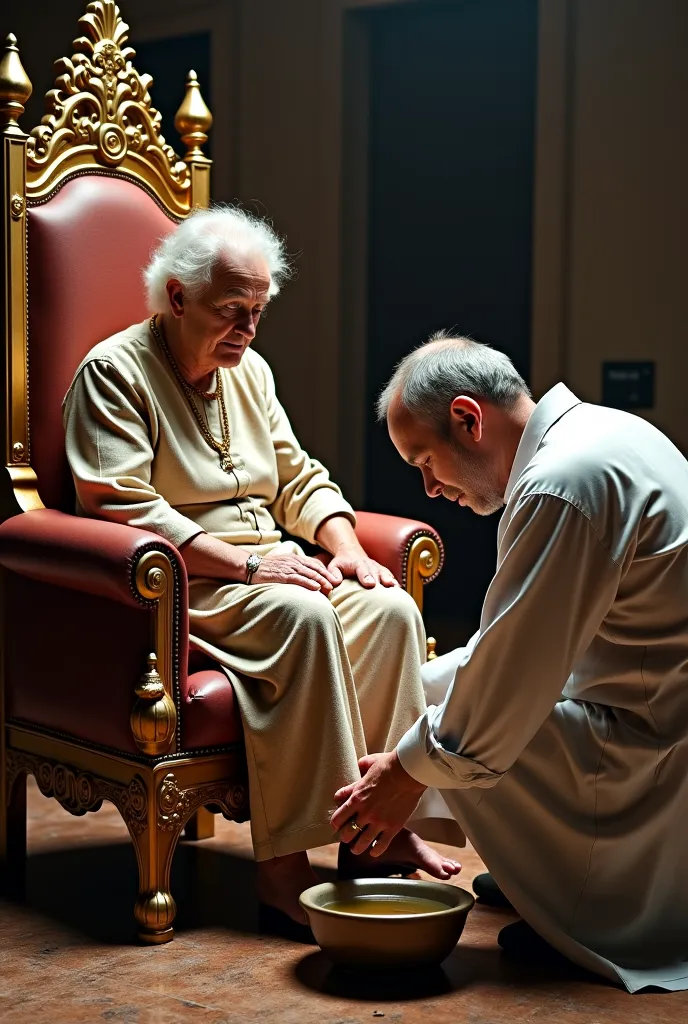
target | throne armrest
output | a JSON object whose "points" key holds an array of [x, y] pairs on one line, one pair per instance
{"points": [[101, 593], [88, 555], [412, 550]]}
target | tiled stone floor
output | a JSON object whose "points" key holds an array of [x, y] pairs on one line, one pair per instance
{"points": [[67, 954]]}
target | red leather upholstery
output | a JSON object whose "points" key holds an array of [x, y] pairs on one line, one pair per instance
{"points": [[73, 577], [86, 247], [387, 539], [72, 660], [79, 679], [82, 554]]}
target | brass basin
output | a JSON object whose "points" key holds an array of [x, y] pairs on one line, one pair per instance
{"points": [[364, 941]]}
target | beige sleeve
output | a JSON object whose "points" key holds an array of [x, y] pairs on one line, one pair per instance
{"points": [[110, 435], [553, 588], [307, 496]]}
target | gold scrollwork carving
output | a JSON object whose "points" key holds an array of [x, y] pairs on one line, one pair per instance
{"points": [[18, 451], [428, 562], [176, 805], [17, 206], [79, 792], [423, 563], [156, 579], [101, 104]]}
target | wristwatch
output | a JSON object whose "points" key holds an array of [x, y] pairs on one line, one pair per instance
{"points": [[252, 563]]}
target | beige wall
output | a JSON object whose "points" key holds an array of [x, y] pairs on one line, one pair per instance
{"points": [[629, 273], [615, 136], [290, 156], [611, 207]]}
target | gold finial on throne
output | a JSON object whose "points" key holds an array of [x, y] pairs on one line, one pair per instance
{"points": [[193, 120], [15, 87]]}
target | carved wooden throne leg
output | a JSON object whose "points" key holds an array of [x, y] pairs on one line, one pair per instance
{"points": [[12, 832], [155, 908], [172, 799]]}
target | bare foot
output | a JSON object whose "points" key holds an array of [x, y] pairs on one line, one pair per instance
{"points": [[282, 880], [408, 848]]}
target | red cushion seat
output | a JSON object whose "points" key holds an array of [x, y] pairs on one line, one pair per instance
{"points": [[210, 712]]}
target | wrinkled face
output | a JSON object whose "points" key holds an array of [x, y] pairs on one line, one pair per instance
{"points": [[219, 323], [454, 468]]}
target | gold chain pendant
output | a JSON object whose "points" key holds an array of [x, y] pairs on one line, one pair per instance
{"points": [[221, 447]]}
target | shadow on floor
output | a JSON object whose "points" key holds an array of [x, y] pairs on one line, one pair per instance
{"points": [[315, 972], [467, 965], [93, 889]]}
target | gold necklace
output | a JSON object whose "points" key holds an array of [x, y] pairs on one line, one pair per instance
{"points": [[221, 447]]}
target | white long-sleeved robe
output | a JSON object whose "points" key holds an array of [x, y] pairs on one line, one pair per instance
{"points": [[559, 736]]}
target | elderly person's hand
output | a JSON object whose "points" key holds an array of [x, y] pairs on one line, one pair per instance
{"points": [[379, 804], [301, 570], [349, 560], [353, 563]]}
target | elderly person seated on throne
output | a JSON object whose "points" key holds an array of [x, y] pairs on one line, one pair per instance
{"points": [[174, 426]]}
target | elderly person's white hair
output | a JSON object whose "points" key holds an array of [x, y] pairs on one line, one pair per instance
{"points": [[206, 238], [428, 379]]}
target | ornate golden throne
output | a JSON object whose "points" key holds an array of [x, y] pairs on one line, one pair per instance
{"points": [[100, 698]]}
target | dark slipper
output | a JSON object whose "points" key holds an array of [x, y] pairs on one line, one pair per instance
{"points": [[350, 866], [488, 892], [520, 941], [272, 921]]}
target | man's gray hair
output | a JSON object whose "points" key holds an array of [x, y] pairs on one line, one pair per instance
{"points": [[429, 379], [191, 252]]}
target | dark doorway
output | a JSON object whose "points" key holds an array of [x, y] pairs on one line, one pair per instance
{"points": [[452, 92]]}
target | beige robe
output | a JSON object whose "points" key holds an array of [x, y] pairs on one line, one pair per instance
{"points": [[319, 682], [559, 736]]}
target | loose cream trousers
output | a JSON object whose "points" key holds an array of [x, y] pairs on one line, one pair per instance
{"points": [[320, 682]]}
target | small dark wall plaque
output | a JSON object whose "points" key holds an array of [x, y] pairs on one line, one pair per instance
{"points": [[628, 385]]}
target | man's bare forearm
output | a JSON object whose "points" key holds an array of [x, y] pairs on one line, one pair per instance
{"points": [[207, 556]]}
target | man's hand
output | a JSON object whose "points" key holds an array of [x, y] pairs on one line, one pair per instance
{"points": [[380, 804], [353, 563], [299, 569]]}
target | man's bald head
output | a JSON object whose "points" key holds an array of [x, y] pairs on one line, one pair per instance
{"points": [[426, 381]]}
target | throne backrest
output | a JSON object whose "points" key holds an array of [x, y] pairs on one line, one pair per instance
{"points": [[98, 189], [86, 250]]}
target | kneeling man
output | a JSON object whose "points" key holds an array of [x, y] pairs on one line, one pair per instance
{"points": [[559, 735]]}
